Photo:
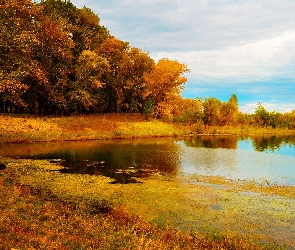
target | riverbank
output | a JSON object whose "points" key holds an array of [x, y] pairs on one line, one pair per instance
{"points": [[47, 209], [42, 208], [27, 128]]}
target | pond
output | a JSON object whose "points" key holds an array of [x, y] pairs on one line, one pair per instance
{"points": [[268, 159]]}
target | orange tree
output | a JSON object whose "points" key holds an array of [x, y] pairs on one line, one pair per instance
{"points": [[18, 37], [162, 84]]}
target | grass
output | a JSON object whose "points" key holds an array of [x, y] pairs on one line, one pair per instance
{"points": [[49, 210], [27, 128]]}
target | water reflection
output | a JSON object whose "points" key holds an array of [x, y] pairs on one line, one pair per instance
{"points": [[272, 143], [270, 158], [123, 160], [214, 142]]}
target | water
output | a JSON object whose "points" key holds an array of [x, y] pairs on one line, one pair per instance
{"points": [[269, 159]]}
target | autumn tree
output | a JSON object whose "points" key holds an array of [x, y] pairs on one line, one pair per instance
{"points": [[212, 108], [53, 53], [56, 58], [84, 29], [115, 51], [18, 36], [84, 93], [261, 116], [136, 63], [229, 111], [189, 110], [163, 83]]}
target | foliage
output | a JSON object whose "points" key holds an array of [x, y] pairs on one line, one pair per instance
{"points": [[212, 108], [57, 59], [163, 84], [189, 111], [214, 113]]}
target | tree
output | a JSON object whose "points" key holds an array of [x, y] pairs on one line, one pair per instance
{"points": [[212, 108], [136, 63], [18, 36], [83, 89], [114, 50], [163, 83], [84, 93], [54, 56], [189, 110], [261, 116], [229, 111]]}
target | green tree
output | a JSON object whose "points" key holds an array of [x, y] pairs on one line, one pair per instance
{"points": [[261, 116]]}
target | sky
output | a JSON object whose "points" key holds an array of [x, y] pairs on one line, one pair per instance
{"points": [[242, 47]]}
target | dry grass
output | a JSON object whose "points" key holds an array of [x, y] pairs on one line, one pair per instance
{"points": [[25, 128], [34, 219], [39, 214]]}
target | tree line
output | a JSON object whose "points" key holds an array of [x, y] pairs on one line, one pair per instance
{"points": [[56, 59], [213, 112]]}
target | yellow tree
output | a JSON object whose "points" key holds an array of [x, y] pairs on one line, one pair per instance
{"points": [[189, 110], [163, 84], [212, 107], [114, 50], [18, 36], [229, 111], [135, 64], [84, 91]]}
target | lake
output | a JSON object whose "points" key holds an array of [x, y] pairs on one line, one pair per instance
{"points": [[269, 159]]}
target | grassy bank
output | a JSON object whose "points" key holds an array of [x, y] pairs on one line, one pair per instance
{"points": [[19, 128], [39, 212], [26, 128]]}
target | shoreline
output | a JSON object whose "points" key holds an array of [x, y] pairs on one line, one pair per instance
{"points": [[30, 129], [203, 197]]}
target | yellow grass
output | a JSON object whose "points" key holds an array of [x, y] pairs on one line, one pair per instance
{"points": [[15, 128], [26, 128], [42, 209]]}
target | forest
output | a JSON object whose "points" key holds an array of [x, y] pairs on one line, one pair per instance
{"points": [[56, 59]]}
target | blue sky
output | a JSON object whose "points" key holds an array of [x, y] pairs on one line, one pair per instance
{"points": [[230, 46]]}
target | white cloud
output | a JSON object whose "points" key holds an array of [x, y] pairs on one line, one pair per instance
{"points": [[251, 61], [195, 25], [228, 45], [250, 108]]}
